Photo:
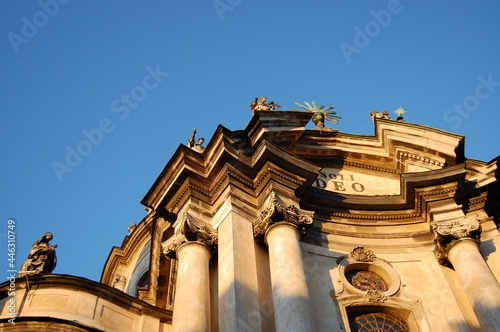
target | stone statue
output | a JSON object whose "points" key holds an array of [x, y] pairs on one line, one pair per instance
{"points": [[119, 282], [131, 227], [42, 257], [378, 115], [198, 147], [261, 105]]}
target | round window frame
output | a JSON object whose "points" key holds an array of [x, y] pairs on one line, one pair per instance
{"points": [[380, 267]]}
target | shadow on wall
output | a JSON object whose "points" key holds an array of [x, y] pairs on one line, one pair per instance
{"points": [[317, 267], [492, 205]]}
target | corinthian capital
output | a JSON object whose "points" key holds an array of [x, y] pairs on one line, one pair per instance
{"points": [[279, 211], [446, 234], [191, 230]]}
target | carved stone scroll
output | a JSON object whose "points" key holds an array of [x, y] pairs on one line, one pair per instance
{"points": [[191, 230], [279, 211]]}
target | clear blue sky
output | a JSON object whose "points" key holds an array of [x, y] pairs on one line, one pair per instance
{"points": [[146, 73]]}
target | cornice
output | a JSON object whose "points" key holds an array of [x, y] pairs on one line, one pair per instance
{"points": [[100, 290], [393, 144], [416, 190], [338, 161], [226, 167], [478, 202]]}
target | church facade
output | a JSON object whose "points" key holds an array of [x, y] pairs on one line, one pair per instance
{"points": [[281, 228]]}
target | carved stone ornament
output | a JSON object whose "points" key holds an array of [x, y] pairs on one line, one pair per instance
{"points": [[191, 230], [279, 211], [440, 252], [378, 115], [119, 278], [260, 104], [375, 296], [364, 275], [445, 234], [119, 281], [42, 257], [361, 254]]}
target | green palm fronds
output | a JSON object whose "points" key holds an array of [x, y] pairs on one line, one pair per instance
{"points": [[325, 111]]}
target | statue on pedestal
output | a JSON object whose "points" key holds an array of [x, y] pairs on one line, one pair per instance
{"points": [[198, 147], [261, 105], [378, 115], [42, 257]]}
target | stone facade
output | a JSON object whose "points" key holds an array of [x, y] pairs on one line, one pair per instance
{"points": [[281, 228]]}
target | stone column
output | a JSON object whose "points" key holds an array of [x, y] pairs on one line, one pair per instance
{"points": [[458, 243], [192, 292], [282, 224], [191, 245]]}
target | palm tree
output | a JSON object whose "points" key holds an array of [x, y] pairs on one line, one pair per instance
{"points": [[320, 114]]}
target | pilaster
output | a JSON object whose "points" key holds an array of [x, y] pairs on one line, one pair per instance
{"points": [[239, 306]]}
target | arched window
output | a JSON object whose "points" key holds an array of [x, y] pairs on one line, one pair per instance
{"points": [[377, 322], [143, 281], [140, 274]]}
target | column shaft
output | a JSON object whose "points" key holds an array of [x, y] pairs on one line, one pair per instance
{"points": [[292, 308], [479, 284], [192, 293]]}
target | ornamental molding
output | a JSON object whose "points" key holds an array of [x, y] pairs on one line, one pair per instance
{"points": [[270, 171], [361, 254], [342, 162], [375, 296], [365, 276], [188, 190], [279, 211], [171, 284], [191, 230], [231, 175], [404, 156], [480, 200], [417, 213], [448, 233]]}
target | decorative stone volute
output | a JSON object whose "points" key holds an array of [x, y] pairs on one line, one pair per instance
{"points": [[447, 234], [191, 230], [279, 211]]}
